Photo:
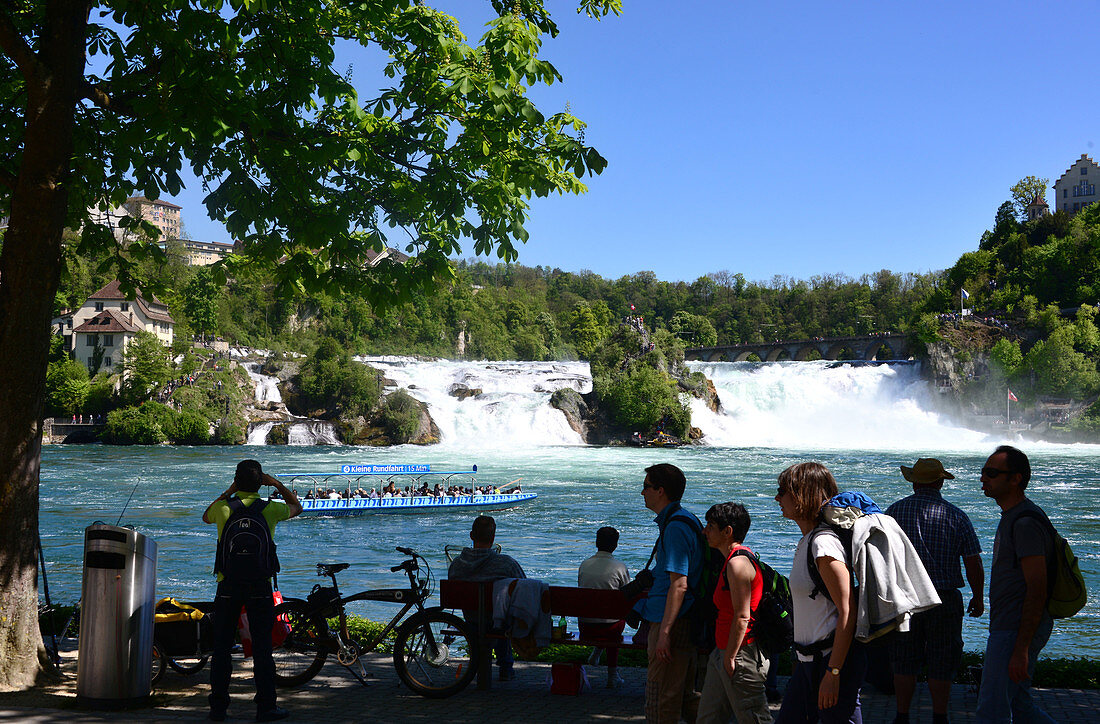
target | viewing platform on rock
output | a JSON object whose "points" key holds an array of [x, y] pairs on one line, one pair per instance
{"points": [[872, 347], [63, 429]]}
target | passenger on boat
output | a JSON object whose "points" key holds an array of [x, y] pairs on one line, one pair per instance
{"points": [[333, 495], [373, 494]]}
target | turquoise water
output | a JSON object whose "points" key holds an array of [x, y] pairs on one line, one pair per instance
{"points": [[580, 489]]}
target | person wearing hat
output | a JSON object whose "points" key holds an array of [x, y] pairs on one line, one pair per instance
{"points": [[942, 534]]}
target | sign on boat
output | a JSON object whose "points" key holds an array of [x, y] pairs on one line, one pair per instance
{"points": [[348, 484]]}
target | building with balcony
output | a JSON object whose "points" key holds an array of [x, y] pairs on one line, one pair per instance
{"points": [[1076, 189], [161, 214], [205, 253]]}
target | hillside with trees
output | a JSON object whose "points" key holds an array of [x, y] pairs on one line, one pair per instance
{"points": [[1036, 278]]}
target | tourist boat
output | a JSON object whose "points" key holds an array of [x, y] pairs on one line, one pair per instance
{"points": [[353, 477]]}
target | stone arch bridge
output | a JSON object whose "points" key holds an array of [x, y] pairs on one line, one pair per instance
{"points": [[887, 346]]}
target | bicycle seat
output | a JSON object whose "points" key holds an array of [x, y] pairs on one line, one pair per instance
{"points": [[327, 569]]}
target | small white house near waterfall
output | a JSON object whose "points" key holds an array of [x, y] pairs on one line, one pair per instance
{"points": [[109, 319]]}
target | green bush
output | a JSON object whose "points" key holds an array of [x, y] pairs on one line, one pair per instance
{"points": [[229, 432], [331, 380], [101, 394], [136, 426], [188, 427], [67, 387], [400, 416], [642, 397], [363, 629]]}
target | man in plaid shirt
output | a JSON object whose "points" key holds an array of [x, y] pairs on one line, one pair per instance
{"points": [[942, 534]]}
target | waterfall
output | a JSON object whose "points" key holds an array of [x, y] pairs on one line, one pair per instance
{"points": [[267, 387], [512, 408], [299, 431], [311, 432], [257, 433], [792, 405], [826, 405]]}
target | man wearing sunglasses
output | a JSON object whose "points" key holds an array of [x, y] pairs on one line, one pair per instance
{"points": [[1019, 624]]}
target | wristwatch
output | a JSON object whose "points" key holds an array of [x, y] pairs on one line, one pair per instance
{"points": [[833, 670]]}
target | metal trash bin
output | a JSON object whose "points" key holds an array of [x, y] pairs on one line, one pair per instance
{"points": [[114, 667]]}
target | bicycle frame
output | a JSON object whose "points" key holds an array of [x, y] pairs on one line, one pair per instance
{"points": [[347, 653]]}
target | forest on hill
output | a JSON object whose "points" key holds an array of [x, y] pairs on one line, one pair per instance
{"points": [[1040, 275]]}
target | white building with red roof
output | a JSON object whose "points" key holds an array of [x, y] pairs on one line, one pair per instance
{"points": [[110, 319]]}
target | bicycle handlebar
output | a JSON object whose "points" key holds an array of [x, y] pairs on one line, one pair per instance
{"points": [[406, 551]]}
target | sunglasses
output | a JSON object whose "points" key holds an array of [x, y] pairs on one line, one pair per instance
{"points": [[994, 472]]}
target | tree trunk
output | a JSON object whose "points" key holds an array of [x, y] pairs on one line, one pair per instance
{"points": [[30, 267]]}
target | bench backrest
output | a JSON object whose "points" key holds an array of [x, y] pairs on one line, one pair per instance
{"points": [[564, 600]]}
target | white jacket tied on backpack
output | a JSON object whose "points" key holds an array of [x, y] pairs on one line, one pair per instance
{"points": [[893, 581]]}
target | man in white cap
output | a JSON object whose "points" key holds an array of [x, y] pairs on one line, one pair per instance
{"points": [[942, 534]]}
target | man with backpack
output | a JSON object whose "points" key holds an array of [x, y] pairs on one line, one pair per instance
{"points": [[1019, 623], [942, 535], [245, 563], [677, 567]]}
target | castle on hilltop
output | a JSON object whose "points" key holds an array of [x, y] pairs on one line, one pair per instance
{"points": [[1076, 189]]}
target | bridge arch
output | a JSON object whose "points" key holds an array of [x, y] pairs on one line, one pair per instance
{"points": [[780, 354], [842, 351], [880, 351], [808, 353]]}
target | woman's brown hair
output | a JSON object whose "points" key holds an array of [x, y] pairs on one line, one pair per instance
{"points": [[810, 484]]}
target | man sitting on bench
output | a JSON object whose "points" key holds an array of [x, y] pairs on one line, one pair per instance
{"points": [[603, 570], [482, 563]]}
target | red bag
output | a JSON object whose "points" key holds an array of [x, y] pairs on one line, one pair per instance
{"points": [[278, 632], [568, 679]]}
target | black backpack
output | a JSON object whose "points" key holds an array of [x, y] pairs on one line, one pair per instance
{"points": [[703, 613], [772, 623], [246, 551]]}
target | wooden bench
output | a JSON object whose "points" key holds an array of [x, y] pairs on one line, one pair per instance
{"points": [[561, 601]]}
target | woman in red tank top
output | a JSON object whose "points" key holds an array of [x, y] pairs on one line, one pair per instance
{"points": [[737, 668]]}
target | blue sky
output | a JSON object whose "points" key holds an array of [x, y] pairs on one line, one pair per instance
{"points": [[804, 138]]}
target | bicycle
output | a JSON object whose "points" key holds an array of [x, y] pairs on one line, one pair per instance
{"points": [[434, 652]]}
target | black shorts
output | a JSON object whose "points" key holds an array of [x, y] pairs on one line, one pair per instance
{"points": [[934, 640]]}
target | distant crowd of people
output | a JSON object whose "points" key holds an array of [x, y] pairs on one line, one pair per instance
{"points": [[393, 491], [988, 320]]}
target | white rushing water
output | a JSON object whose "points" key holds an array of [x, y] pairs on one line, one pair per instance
{"points": [[825, 405], [311, 432], [511, 409], [257, 433], [792, 405], [267, 387]]}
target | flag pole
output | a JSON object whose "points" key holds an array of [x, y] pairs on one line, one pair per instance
{"points": [[1008, 407]]}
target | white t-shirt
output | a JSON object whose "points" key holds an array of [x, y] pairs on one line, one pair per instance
{"points": [[814, 618]]}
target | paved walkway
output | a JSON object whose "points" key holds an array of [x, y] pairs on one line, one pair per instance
{"points": [[334, 696]]}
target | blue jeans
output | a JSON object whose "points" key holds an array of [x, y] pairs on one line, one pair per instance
{"points": [[256, 599], [800, 699], [1000, 698], [502, 648]]}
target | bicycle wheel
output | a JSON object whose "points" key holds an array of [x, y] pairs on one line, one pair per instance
{"points": [[434, 654], [187, 665], [159, 665], [304, 650]]}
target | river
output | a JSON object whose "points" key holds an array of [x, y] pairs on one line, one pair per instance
{"points": [[861, 421]]}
